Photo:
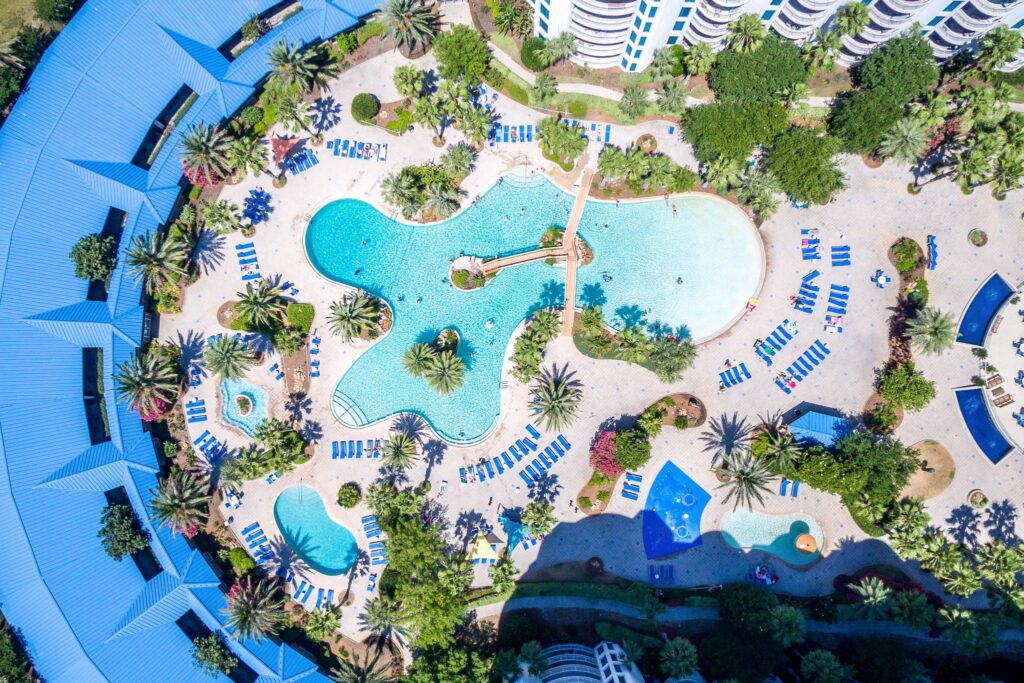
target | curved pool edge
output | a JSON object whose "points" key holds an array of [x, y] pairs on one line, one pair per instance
{"points": [[822, 552], [318, 568]]}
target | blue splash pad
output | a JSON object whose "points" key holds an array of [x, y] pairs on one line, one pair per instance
{"points": [[671, 516]]}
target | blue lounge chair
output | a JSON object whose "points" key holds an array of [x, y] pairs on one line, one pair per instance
{"points": [[508, 460], [319, 597], [607, 133], [557, 447], [565, 443], [529, 482], [630, 496], [376, 545], [379, 561], [368, 518], [522, 133], [544, 459], [515, 453], [630, 476], [551, 453], [505, 139], [796, 488], [532, 431], [783, 485], [782, 385], [498, 465], [462, 475], [251, 528], [490, 470], [532, 472], [530, 444], [305, 596], [298, 591], [329, 600], [246, 254], [537, 464], [359, 450], [373, 534], [197, 419], [247, 245], [351, 448], [254, 535], [202, 436]]}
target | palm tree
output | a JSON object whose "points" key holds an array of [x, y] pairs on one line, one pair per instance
{"points": [[723, 174], [503, 574], [660, 170], [532, 655], [561, 141], [182, 502], [557, 49], [672, 97], [428, 112], [634, 345], [458, 160], [352, 315], [255, 608], [852, 18], [931, 331], [365, 671], [820, 55], [294, 114], [155, 261], [678, 658], [204, 153], [408, 80], [222, 216], [748, 479], [445, 372], [260, 303], [475, 124], [746, 34], [148, 381], [401, 190], [418, 358], [291, 67], [637, 163], [544, 88], [556, 396], [8, 57], [906, 141], [611, 164], [663, 65], [998, 46], [999, 564], [228, 357], [783, 451], [399, 451], [787, 626], [698, 59], [874, 598], [822, 666], [247, 155], [634, 101], [410, 23], [442, 198], [592, 322], [795, 96], [385, 620]]}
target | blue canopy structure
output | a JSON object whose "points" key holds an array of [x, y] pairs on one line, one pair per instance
{"points": [[69, 162], [824, 429]]}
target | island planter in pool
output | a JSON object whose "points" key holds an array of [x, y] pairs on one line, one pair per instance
{"points": [[243, 405], [324, 545]]}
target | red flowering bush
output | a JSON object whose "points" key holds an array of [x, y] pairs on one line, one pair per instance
{"points": [[199, 177], [602, 455], [157, 412]]}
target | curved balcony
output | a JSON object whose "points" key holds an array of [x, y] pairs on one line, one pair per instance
{"points": [[907, 6], [789, 29], [605, 8], [876, 36], [858, 45], [803, 15], [973, 18], [698, 34], [597, 24], [586, 33], [880, 17], [952, 27], [954, 36], [716, 16], [997, 8], [941, 48], [818, 5]]}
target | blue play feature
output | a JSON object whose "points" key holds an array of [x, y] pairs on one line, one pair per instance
{"points": [[672, 513], [981, 426], [982, 309]]}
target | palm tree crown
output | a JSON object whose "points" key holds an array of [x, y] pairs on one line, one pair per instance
{"points": [[254, 609], [365, 671], [182, 502], [417, 359], [906, 141], [353, 315], [445, 372], [931, 331], [410, 23], [148, 381], [399, 451], [442, 198], [228, 357], [747, 34], [291, 67], [247, 156], [385, 620], [204, 153], [155, 261], [874, 597], [852, 18], [259, 304], [748, 481], [556, 395]]}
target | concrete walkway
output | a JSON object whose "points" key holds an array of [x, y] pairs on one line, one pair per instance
{"points": [[521, 258], [572, 255]]}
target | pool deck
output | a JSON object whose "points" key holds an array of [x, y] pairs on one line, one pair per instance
{"points": [[868, 217], [569, 244]]}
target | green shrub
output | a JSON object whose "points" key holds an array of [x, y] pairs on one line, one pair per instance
{"points": [[907, 254], [919, 294], [585, 503], [904, 387], [14, 665], [120, 531], [599, 480], [681, 422], [903, 67], [517, 93], [195, 193], [346, 43], [460, 278], [241, 562], [55, 11], [862, 119], [94, 257], [462, 54], [300, 316], [170, 450], [349, 495], [370, 29], [881, 419], [732, 130], [683, 180], [760, 75], [254, 28], [528, 54], [632, 449], [804, 164], [577, 109], [604, 496], [10, 84], [251, 116], [211, 656], [651, 420], [364, 107]]}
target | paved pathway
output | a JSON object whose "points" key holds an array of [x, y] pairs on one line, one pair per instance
{"points": [[523, 257], [572, 255]]}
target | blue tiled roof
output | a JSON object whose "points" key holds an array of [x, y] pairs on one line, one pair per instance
{"points": [[65, 154], [820, 428]]}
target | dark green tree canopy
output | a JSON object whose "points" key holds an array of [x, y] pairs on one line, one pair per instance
{"points": [[462, 54], [760, 75], [862, 120], [904, 67], [804, 164], [732, 129]]}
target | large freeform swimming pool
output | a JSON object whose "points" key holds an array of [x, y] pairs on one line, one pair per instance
{"points": [[774, 534], [639, 256], [323, 544]]}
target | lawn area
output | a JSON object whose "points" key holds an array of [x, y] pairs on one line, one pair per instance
{"points": [[14, 13]]}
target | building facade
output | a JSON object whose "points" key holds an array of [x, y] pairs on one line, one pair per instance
{"points": [[572, 663], [626, 33]]}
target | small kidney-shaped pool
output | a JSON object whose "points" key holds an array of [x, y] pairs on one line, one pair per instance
{"points": [[776, 535], [323, 544]]}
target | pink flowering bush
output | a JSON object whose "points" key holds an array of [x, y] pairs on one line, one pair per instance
{"points": [[155, 413], [602, 455], [199, 177]]}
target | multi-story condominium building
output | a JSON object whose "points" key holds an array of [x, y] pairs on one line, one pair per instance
{"points": [[606, 663], [626, 33]]}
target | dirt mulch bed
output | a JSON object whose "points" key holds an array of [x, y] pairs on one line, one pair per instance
{"points": [[296, 372], [388, 113], [226, 314], [872, 161], [875, 400], [591, 492], [647, 143], [928, 484], [685, 404]]}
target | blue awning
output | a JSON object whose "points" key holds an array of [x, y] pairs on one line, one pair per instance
{"points": [[820, 428]]}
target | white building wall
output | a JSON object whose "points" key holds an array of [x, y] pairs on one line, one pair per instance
{"points": [[626, 33]]}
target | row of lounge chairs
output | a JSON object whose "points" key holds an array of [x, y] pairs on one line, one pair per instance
{"points": [[196, 411], [352, 149], [503, 134], [838, 299], [275, 372], [257, 206], [378, 552], [304, 160], [631, 487], [305, 590], [784, 483], [258, 544], [354, 449], [486, 468], [248, 264], [209, 446], [810, 249], [734, 375], [806, 297], [775, 341], [314, 350], [661, 575], [534, 470], [933, 253], [841, 256], [803, 366]]}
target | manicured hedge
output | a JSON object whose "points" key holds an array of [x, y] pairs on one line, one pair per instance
{"points": [[364, 107], [528, 54]]}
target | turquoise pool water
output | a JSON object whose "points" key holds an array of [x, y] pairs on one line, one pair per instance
{"points": [[323, 544], [230, 390], [349, 241], [774, 534]]}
